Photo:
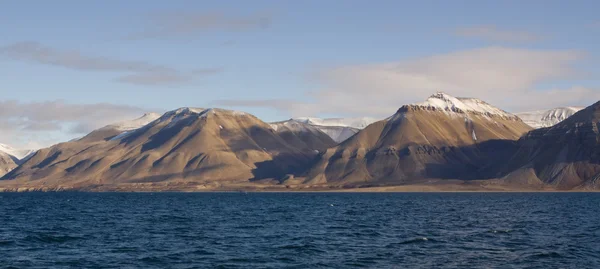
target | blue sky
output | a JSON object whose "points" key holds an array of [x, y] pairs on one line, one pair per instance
{"points": [[70, 66]]}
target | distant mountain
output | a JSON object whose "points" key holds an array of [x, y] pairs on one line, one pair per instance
{"points": [[337, 133], [547, 118], [443, 137], [565, 156], [303, 135], [357, 123], [187, 147], [16, 154], [339, 129]]}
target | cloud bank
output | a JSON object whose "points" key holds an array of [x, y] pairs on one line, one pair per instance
{"points": [[21, 123], [505, 77]]}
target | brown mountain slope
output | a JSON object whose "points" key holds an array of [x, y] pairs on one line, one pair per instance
{"points": [[6, 163], [444, 137], [566, 155], [185, 145]]}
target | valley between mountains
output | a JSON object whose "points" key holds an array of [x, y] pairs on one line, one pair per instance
{"points": [[444, 143]]}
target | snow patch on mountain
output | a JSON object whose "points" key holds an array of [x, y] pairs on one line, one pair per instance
{"points": [[293, 126], [136, 123], [337, 133], [202, 112], [547, 118], [358, 123], [451, 105], [16, 154]]}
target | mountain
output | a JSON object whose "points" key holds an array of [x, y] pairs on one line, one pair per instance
{"points": [[303, 135], [339, 129], [547, 118], [564, 156], [339, 134], [357, 123], [444, 137], [186, 148], [7, 163], [16, 154]]}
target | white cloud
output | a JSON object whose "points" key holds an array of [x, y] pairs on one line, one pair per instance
{"points": [[492, 33], [45, 123], [504, 77]]}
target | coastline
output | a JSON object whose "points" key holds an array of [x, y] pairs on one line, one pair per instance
{"points": [[446, 187]]}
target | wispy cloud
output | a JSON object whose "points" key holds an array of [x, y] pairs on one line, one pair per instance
{"points": [[494, 34], [172, 24], [20, 122], [137, 72], [502, 76]]}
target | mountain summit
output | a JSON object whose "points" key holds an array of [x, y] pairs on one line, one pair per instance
{"points": [[443, 137]]}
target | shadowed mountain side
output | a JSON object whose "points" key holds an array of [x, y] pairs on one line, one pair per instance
{"points": [[565, 156], [417, 163]]}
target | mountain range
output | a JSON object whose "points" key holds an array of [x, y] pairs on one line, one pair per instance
{"points": [[440, 142]]}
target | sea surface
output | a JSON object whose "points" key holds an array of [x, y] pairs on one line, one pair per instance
{"points": [[299, 230]]}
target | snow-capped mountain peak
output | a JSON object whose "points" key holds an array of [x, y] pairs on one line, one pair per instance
{"points": [[441, 101], [547, 118]]}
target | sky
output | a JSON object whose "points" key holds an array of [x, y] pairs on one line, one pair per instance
{"points": [[68, 67]]}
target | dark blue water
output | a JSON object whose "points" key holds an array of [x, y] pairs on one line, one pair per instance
{"points": [[300, 230]]}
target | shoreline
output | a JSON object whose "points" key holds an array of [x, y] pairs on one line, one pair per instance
{"points": [[390, 189]]}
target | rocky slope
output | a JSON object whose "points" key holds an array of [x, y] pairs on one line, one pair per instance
{"points": [[547, 118], [565, 156], [184, 146], [443, 137], [7, 163]]}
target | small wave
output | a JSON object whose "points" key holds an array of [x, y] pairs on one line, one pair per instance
{"points": [[6, 243], [551, 254], [415, 240], [46, 238], [500, 231], [306, 248]]}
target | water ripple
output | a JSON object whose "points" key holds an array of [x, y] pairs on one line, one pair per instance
{"points": [[300, 230]]}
